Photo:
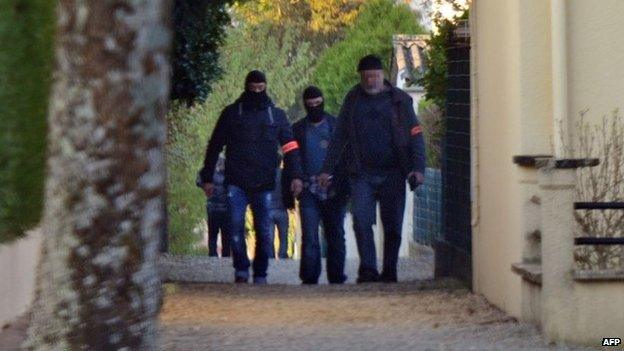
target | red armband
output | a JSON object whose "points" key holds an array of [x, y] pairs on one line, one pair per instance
{"points": [[288, 147], [416, 130]]}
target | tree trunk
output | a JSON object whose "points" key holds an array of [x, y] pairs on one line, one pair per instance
{"points": [[97, 285]]}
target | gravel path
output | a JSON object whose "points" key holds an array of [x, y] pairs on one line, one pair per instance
{"points": [[406, 316]]}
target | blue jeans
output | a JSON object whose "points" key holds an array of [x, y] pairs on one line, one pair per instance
{"points": [[238, 199], [218, 221], [279, 218], [389, 190], [331, 213]]}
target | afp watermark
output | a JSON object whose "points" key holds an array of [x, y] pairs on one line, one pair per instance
{"points": [[611, 342]]}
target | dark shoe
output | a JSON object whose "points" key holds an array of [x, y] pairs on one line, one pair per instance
{"points": [[241, 280], [389, 277], [367, 279], [337, 281], [260, 280], [309, 282]]}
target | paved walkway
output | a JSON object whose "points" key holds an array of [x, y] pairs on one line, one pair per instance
{"points": [[416, 314]]}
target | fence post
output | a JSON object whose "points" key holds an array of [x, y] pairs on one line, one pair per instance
{"points": [[558, 190]]}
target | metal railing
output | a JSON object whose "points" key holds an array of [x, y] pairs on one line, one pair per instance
{"points": [[600, 206]]}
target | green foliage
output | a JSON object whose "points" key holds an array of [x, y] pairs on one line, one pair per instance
{"points": [[199, 31], [431, 118], [372, 33], [286, 63], [319, 22], [185, 202], [434, 80], [26, 34]]}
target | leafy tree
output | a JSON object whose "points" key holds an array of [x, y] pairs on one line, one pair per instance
{"points": [[26, 34], [372, 33], [319, 22], [199, 31], [434, 80]]}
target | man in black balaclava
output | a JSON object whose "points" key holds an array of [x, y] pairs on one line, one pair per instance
{"points": [[251, 130], [255, 95], [313, 134]]}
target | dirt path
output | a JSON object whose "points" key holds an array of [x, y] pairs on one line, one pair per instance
{"points": [[406, 316]]}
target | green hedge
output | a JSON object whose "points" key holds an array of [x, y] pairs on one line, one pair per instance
{"points": [[26, 34]]}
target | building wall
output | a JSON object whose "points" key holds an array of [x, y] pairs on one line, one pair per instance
{"points": [[513, 89], [512, 116], [596, 57], [495, 124], [17, 274]]}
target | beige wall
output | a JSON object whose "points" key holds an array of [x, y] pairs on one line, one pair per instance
{"points": [[596, 56], [17, 276], [513, 108], [511, 64]]}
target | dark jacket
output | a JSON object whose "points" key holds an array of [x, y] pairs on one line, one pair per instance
{"points": [[251, 137], [406, 135], [340, 181]]}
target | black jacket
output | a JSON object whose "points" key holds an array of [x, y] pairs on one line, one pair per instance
{"points": [[340, 181], [406, 135], [251, 137]]}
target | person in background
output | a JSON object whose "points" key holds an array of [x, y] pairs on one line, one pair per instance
{"points": [[216, 209], [251, 130]]}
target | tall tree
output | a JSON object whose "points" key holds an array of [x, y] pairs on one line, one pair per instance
{"points": [[97, 284], [199, 28], [26, 34]]}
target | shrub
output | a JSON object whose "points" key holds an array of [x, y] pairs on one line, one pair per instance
{"points": [[26, 33], [603, 183]]}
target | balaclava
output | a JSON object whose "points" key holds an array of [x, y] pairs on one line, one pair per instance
{"points": [[253, 98], [316, 113]]}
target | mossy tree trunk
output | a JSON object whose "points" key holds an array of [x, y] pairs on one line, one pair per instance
{"points": [[97, 284]]}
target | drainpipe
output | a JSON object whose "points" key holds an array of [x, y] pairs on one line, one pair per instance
{"points": [[474, 112], [561, 128], [474, 138]]}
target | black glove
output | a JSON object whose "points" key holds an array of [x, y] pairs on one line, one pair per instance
{"points": [[413, 182]]}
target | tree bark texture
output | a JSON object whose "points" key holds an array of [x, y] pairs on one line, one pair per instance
{"points": [[97, 285]]}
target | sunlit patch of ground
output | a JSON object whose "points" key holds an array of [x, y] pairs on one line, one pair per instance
{"points": [[405, 316]]}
